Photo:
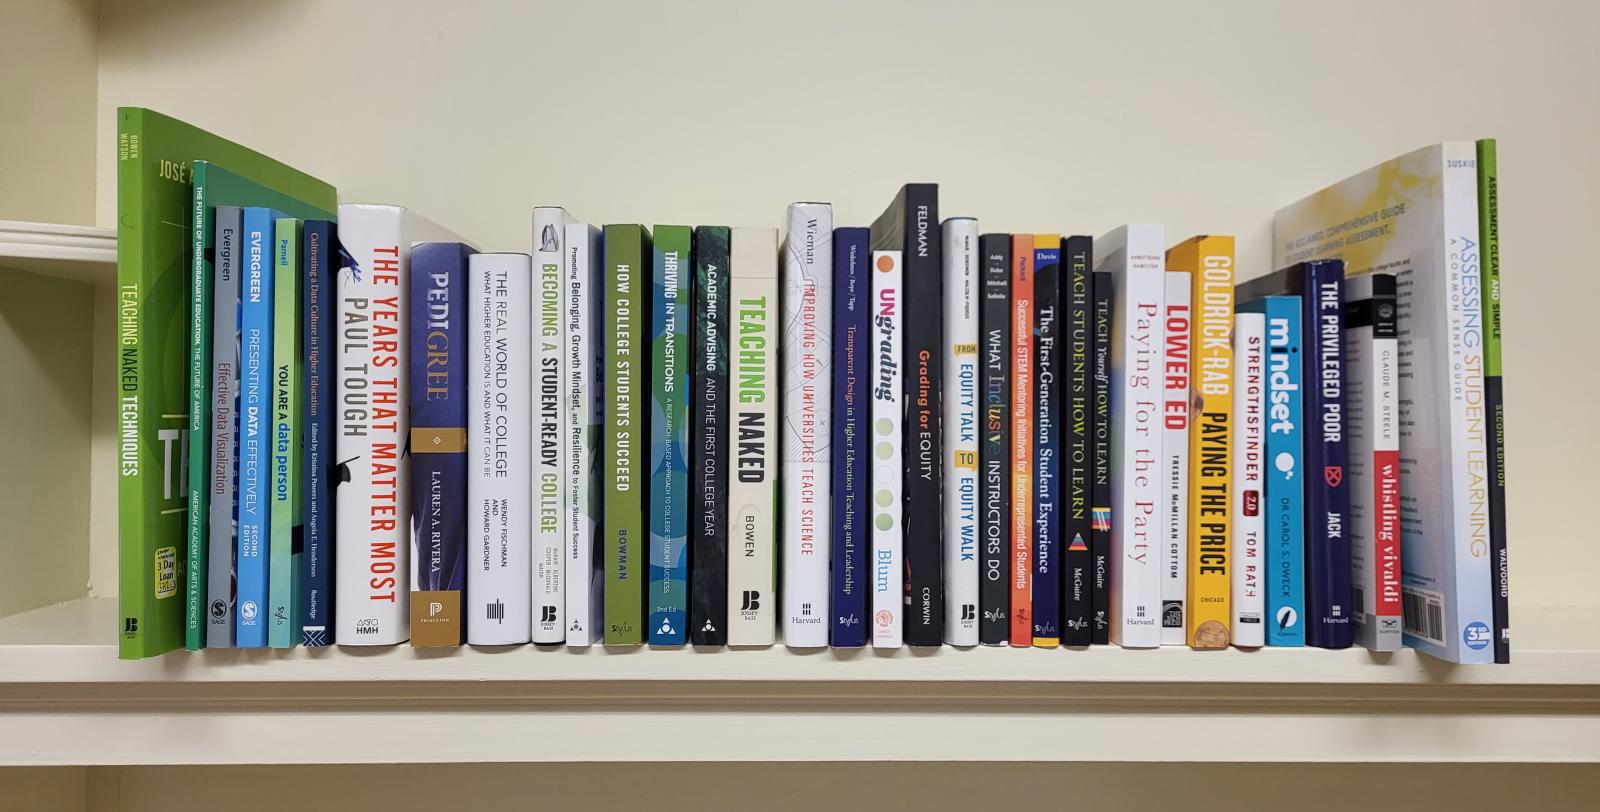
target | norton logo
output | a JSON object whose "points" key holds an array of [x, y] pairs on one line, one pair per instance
{"points": [[219, 609], [247, 611], [434, 608], [1334, 474], [752, 601], [547, 614]]}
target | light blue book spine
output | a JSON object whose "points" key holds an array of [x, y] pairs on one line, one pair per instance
{"points": [[667, 606], [255, 426], [1285, 486]]}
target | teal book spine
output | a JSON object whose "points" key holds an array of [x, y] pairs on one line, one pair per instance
{"points": [[668, 604], [284, 589]]}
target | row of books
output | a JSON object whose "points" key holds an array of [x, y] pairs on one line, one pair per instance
{"points": [[912, 433]]}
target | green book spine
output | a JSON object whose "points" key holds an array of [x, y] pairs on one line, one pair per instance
{"points": [[199, 462], [155, 244], [283, 595], [1494, 395], [626, 546]]}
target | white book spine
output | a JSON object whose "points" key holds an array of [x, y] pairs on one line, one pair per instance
{"points": [[1372, 425], [753, 452], [961, 297], [583, 362], [373, 509], [549, 426], [807, 431], [1175, 460], [1249, 557], [1135, 257], [499, 448], [888, 535]]}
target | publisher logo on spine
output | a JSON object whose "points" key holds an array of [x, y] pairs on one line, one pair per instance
{"points": [[1476, 635], [752, 601]]}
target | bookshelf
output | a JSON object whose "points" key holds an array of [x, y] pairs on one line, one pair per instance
{"points": [[405, 134]]}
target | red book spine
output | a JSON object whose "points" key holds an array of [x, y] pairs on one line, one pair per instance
{"points": [[1022, 440]]}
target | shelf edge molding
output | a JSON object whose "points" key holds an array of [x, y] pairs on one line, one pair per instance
{"points": [[80, 253]]}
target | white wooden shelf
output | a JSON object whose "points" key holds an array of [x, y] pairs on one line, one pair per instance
{"points": [[68, 700], [81, 253]]}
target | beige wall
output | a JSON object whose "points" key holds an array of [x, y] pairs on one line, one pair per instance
{"points": [[779, 788], [1033, 115], [47, 110]]}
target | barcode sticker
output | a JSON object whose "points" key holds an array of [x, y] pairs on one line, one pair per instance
{"points": [[1424, 614]]}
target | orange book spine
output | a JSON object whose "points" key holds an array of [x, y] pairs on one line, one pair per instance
{"points": [[1022, 440]]}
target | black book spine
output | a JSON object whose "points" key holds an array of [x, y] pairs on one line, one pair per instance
{"points": [[1100, 443], [924, 453], [1047, 316], [1077, 601], [708, 555], [994, 591]]}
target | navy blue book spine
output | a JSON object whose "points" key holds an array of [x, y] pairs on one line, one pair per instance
{"points": [[438, 430], [319, 257], [1100, 445], [1320, 284], [1047, 446], [1077, 560], [851, 408], [994, 588]]}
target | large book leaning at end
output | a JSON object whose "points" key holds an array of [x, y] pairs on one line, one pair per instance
{"points": [[1133, 256], [1425, 206], [550, 420], [373, 495], [585, 362], [1320, 286], [994, 454], [910, 225], [667, 606], [960, 359], [319, 249], [438, 397], [753, 451], [155, 267], [807, 363], [708, 530], [852, 295]]}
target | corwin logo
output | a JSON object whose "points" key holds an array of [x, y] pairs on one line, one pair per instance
{"points": [[547, 614], [1476, 635], [1333, 474], [752, 601]]}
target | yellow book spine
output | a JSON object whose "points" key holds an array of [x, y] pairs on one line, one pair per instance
{"points": [[1210, 262]]}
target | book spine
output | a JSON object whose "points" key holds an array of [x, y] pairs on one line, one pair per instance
{"points": [[1372, 403], [627, 248], [708, 558], [1047, 440], [807, 456], [1100, 447], [1175, 460], [150, 399], [318, 245], [438, 400], [1077, 560], [223, 496], [1249, 456], [500, 448], [1208, 591], [202, 253], [852, 295], [1136, 534], [1285, 508], [372, 509], [960, 359], [287, 532], [1022, 431], [667, 608], [1494, 401], [922, 510], [753, 450], [549, 601], [585, 384], [888, 413], [994, 589], [1327, 498], [255, 427]]}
